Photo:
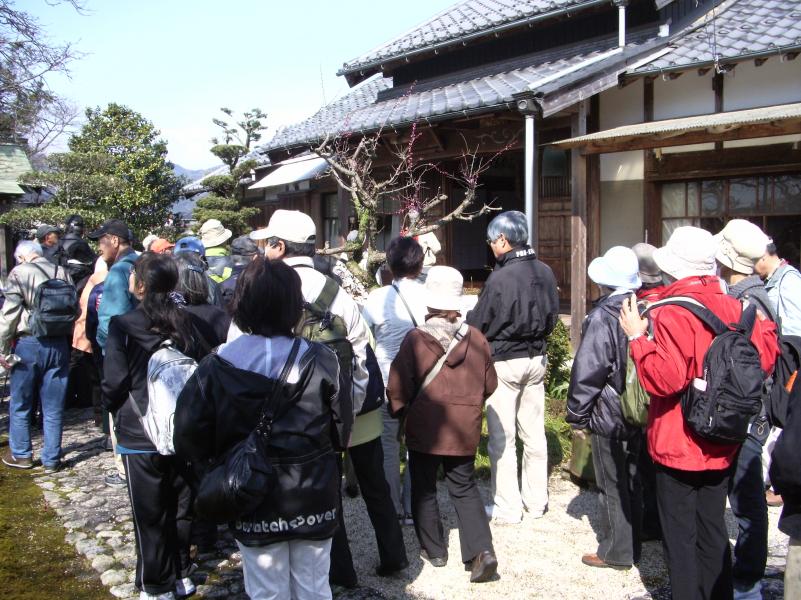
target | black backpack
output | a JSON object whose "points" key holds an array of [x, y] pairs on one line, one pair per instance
{"points": [[719, 406], [55, 307]]}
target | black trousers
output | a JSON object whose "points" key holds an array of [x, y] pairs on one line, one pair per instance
{"points": [[474, 531], [651, 528], [368, 464], [161, 503], [83, 379], [691, 509], [616, 474]]}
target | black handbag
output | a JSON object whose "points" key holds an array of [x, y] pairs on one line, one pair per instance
{"points": [[238, 481]]}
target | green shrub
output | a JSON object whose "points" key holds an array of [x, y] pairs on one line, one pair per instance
{"points": [[557, 376]]}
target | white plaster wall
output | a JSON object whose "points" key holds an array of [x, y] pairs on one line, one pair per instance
{"points": [[622, 166], [622, 213], [686, 96], [775, 82], [622, 106]]}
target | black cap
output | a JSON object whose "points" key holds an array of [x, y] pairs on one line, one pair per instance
{"points": [[244, 246], [112, 227]]}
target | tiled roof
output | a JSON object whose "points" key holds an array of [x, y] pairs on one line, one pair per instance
{"points": [[740, 30], [195, 187], [460, 21], [13, 163], [363, 110]]}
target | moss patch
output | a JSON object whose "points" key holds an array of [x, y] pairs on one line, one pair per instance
{"points": [[35, 561]]}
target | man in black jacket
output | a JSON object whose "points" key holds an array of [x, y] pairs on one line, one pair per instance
{"points": [[597, 381], [516, 311]]}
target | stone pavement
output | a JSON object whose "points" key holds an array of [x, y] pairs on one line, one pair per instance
{"points": [[97, 522]]}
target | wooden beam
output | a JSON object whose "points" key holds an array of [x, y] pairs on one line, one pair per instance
{"points": [[663, 140], [578, 229], [703, 71], [648, 99], [758, 62]]}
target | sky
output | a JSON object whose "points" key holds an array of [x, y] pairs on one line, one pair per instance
{"points": [[178, 61]]}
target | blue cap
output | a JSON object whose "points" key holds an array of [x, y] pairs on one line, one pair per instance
{"points": [[190, 244]]}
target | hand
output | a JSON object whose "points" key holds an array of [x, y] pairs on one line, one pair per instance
{"points": [[4, 363], [580, 433], [630, 320]]}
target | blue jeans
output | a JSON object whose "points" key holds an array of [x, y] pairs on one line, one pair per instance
{"points": [[42, 372], [747, 499]]}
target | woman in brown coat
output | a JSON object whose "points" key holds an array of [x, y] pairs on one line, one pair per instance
{"points": [[438, 382]]}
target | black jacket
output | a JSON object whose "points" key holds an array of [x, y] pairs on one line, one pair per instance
{"points": [[518, 307], [219, 407], [211, 322], [129, 347], [599, 373], [785, 468]]}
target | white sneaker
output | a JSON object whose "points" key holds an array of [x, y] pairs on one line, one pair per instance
{"points": [[164, 596], [184, 587], [499, 518]]}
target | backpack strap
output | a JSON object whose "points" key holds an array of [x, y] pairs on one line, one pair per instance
{"points": [[706, 316], [323, 302], [265, 422], [458, 336], [409, 310]]}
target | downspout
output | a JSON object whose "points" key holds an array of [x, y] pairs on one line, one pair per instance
{"points": [[621, 21], [531, 109]]}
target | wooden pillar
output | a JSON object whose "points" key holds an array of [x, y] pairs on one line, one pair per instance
{"points": [[578, 227], [343, 209]]}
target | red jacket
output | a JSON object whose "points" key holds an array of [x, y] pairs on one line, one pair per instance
{"points": [[668, 362]]}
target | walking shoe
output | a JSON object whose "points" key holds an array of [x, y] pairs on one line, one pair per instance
{"points": [[536, 514], [483, 567], [406, 520], [107, 445], [593, 560], [50, 469], [115, 480], [184, 587], [436, 561], [748, 591], [389, 570], [17, 462]]}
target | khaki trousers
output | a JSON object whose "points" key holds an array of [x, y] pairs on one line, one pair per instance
{"points": [[518, 408], [792, 571]]}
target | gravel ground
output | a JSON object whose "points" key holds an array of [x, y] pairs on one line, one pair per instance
{"points": [[540, 558]]}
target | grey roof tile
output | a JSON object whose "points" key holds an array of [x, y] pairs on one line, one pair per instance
{"points": [[744, 28], [454, 23], [362, 111]]}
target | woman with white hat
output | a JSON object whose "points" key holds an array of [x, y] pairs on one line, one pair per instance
{"points": [[439, 382], [597, 380]]}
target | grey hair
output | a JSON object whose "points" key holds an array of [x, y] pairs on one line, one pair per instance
{"points": [[193, 282], [28, 247], [512, 224]]}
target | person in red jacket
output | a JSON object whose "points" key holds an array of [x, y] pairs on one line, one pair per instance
{"points": [[692, 474]]}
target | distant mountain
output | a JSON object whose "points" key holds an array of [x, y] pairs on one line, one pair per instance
{"points": [[192, 174]]}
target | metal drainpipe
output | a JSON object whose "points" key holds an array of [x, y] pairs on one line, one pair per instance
{"points": [[530, 163], [621, 22], [530, 107]]}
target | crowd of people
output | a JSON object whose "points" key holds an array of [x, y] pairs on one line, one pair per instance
{"points": [[284, 380]]}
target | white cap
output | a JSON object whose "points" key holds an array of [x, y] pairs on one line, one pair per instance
{"points": [[689, 251], [618, 268], [444, 288], [740, 245], [288, 225]]}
